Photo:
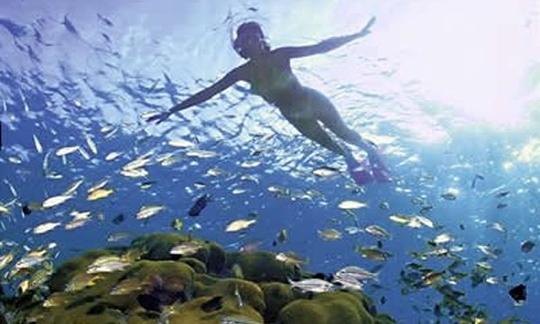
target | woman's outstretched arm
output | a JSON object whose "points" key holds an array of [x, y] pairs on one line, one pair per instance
{"points": [[228, 80], [325, 45]]}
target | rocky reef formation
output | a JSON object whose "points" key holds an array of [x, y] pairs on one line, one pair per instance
{"points": [[172, 278]]}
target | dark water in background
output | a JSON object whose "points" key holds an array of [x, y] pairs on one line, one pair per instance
{"points": [[68, 70]]}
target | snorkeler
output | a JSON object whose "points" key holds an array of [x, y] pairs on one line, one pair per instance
{"points": [[270, 76]]}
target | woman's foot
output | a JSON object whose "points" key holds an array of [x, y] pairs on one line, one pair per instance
{"points": [[360, 171], [379, 170], [381, 173]]}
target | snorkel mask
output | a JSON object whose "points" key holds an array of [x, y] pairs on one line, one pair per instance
{"points": [[249, 32]]}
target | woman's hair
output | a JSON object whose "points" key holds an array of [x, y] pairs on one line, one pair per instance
{"points": [[248, 28]]}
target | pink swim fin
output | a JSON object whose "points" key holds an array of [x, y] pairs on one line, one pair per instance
{"points": [[362, 177], [360, 172], [381, 174], [379, 171], [364, 173]]}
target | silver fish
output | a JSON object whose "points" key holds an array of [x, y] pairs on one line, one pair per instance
{"points": [[186, 248], [37, 144], [348, 282], [91, 144], [358, 273], [237, 319], [312, 285], [239, 300]]}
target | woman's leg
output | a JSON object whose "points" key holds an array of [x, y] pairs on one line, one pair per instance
{"points": [[310, 128], [325, 111], [313, 130]]}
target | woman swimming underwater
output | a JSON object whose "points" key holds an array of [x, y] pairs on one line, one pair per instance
{"points": [[270, 75]]}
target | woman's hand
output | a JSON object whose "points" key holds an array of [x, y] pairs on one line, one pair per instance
{"points": [[365, 31], [159, 118]]}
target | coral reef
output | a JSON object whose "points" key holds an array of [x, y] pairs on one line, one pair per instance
{"points": [[173, 278]]}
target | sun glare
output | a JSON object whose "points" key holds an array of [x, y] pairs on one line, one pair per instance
{"points": [[473, 56], [530, 152]]}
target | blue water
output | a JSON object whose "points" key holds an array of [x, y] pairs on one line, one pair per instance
{"points": [[430, 85]]}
